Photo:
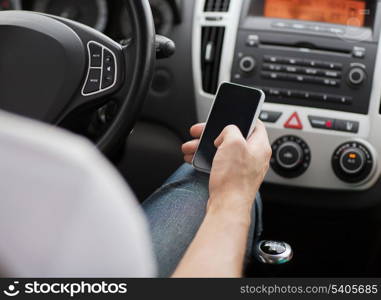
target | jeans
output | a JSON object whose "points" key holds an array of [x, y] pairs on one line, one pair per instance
{"points": [[175, 212]]}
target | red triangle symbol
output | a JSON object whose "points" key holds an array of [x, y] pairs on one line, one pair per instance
{"points": [[294, 122]]}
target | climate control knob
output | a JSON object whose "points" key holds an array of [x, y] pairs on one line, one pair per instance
{"points": [[352, 162], [291, 156]]}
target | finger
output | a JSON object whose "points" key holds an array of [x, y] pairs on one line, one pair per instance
{"points": [[190, 147], [188, 158], [230, 133], [196, 130], [259, 135]]}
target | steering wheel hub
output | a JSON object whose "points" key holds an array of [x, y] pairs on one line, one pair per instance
{"points": [[39, 72]]}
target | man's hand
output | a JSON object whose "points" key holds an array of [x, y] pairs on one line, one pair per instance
{"points": [[239, 168], [190, 148]]}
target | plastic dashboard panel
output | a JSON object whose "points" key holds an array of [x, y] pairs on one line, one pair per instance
{"points": [[321, 142]]}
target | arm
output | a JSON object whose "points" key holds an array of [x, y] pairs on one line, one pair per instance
{"points": [[239, 167]]}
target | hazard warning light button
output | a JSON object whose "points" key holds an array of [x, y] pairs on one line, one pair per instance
{"points": [[294, 122]]}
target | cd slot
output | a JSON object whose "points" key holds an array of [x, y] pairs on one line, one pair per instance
{"points": [[304, 47]]}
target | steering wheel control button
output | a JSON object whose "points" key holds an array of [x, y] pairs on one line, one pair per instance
{"points": [[352, 162], [109, 67], [356, 76], [102, 72], [274, 252], [291, 156], [294, 122], [95, 55], [93, 83], [270, 116]]}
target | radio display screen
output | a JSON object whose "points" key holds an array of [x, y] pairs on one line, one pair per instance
{"points": [[344, 12]]}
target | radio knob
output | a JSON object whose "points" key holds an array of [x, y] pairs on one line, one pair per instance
{"points": [[352, 162], [247, 64], [356, 76]]}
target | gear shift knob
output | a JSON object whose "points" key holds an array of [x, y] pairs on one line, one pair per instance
{"points": [[274, 252]]}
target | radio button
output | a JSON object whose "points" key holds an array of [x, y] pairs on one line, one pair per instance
{"points": [[333, 74], [272, 59], [270, 116], [317, 96], [311, 63], [292, 69], [347, 126], [271, 67], [322, 123], [293, 61], [287, 93], [310, 71], [340, 99], [274, 92], [252, 40], [358, 52], [332, 66], [331, 82], [298, 78], [269, 75], [301, 95]]}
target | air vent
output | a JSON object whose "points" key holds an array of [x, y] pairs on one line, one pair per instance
{"points": [[217, 5], [212, 42]]}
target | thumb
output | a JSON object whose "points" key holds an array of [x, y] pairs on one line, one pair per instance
{"points": [[230, 132], [259, 136]]}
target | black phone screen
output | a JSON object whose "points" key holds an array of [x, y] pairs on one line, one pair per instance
{"points": [[234, 105]]}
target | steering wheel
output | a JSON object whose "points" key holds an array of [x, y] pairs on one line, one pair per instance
{"points": [[51, 67]]}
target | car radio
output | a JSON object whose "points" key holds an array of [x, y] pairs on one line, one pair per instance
{"points": [[309, 53]]}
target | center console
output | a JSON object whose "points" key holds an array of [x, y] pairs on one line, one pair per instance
{"points": [[319, 64]]}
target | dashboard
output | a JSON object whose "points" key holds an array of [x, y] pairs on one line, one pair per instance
{"points": [[106, 16], [319, 63]]}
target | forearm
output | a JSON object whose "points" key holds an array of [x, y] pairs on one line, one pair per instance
{"points": [[219, 248]]}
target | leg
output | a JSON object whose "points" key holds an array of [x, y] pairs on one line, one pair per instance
{"points": [[175, 213]]}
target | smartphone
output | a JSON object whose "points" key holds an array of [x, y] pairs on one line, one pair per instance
{"points": [[234, 105]]}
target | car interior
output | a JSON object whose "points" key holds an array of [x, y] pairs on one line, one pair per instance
{"points": [[135, 95]]}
